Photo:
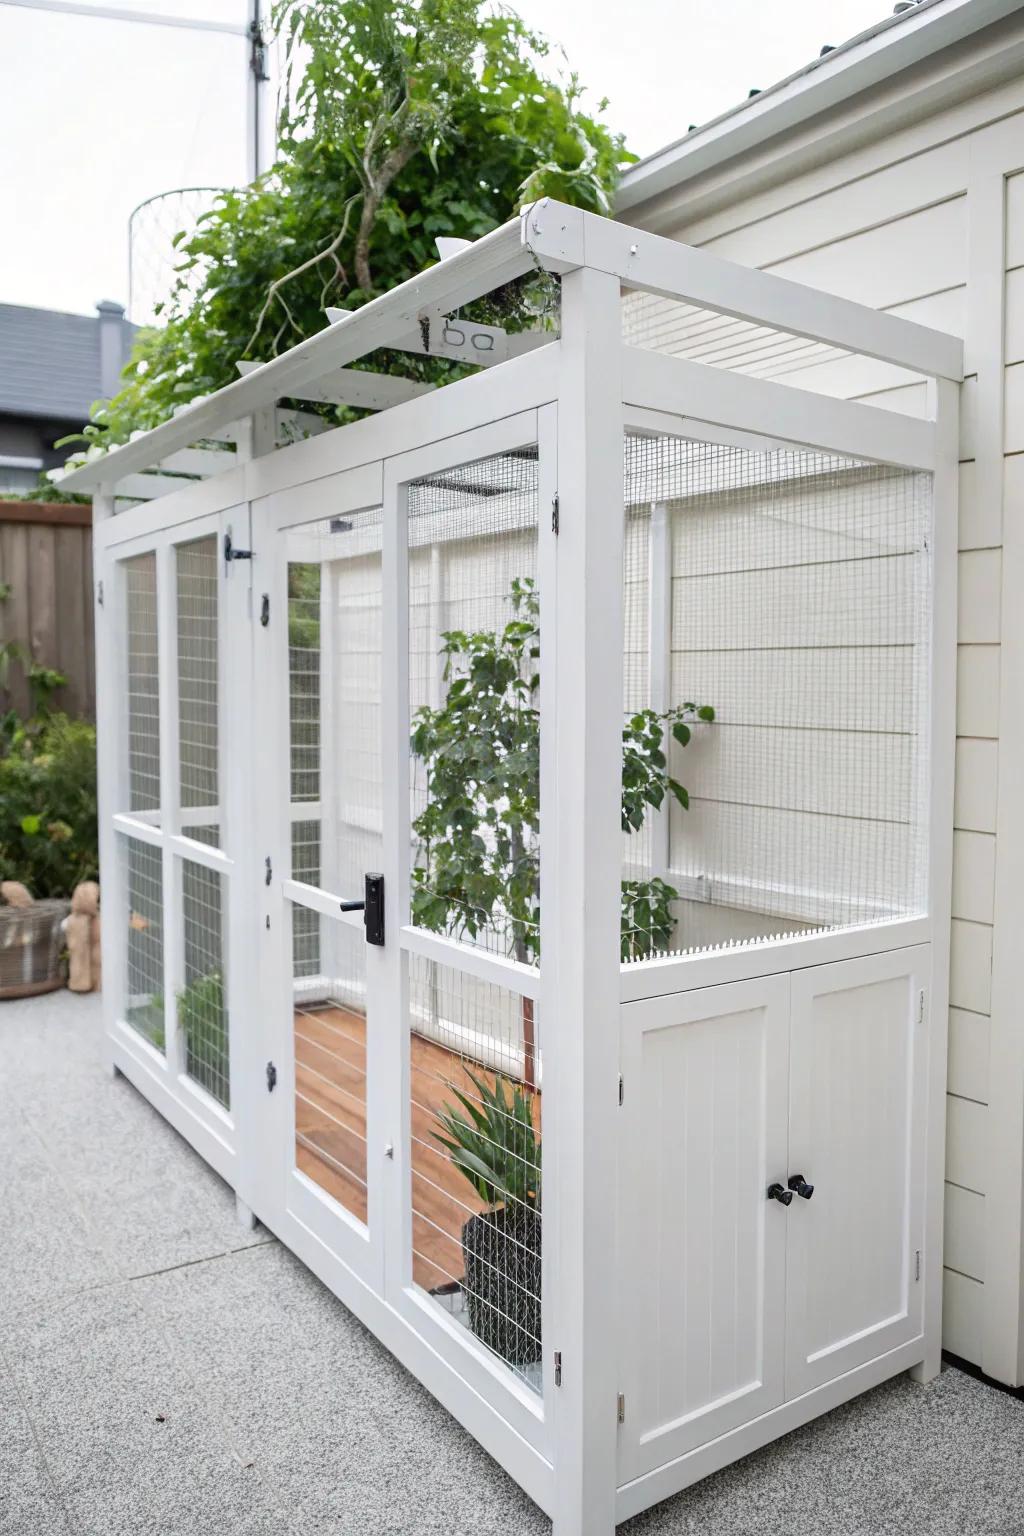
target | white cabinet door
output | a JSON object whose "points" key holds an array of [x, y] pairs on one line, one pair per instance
{"points": [[702, 1270], [856, 1087]]}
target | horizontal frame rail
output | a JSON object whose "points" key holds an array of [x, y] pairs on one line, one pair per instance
{"points": [[691, 276], [488, 263], [656, 381], [511, 974]]}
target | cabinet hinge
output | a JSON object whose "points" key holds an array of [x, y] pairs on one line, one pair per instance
{"points": [[99, 593], [554, 514], [920, 1007], [621, 1413], [265, 610], [269, 871], [558, 1367], [621, 1089], [917, 1264]]}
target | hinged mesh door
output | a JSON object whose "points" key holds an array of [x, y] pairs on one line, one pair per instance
{"points": [[475, 1044]]}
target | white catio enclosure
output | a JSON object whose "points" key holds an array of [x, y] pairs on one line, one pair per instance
{"points": [[377, 651]]}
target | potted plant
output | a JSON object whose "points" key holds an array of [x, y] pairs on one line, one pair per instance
{"points": [[491, 1140]]}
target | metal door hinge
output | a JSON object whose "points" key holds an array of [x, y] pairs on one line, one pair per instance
{"points": [[270, 871], [558, 1367], [621, 1089], [917, 1264], [271, 1077], [621, 1413], [265, 610], [554, 514], [99, 593], [920, 1008], [257, 52]]}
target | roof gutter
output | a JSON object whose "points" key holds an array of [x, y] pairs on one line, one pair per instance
{"points": [[895, 44]]}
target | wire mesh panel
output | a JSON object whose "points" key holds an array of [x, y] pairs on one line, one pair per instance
{"points": [[794, 715], [474, 673], [143, 702], [202, 1002], [334, 649], [197, 578], [475, 1155], [144, 985], [330, 1062]]}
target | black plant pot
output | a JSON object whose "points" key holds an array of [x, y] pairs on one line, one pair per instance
{"points": [[502, 1285]]}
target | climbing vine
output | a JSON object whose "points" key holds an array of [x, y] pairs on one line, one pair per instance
{"points": [[402, 120]]}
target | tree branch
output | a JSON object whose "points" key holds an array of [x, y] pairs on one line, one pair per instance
{"points": [[274, 291]]}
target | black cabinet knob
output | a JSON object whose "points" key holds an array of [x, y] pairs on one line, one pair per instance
{"points": [[783, 1196], [799, 1185]]}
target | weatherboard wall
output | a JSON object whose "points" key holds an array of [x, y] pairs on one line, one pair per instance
{"points": [[925, 221]]}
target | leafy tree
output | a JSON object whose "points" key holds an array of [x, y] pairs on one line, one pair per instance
{"points": [[478, 860], [403, 120]]}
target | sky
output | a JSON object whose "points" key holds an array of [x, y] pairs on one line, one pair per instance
{"points": [[97, 116]]}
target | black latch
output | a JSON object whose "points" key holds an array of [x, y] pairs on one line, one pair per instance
{"points": [[271, 1077], [265, 610], [372, 908], [373, 917], [231, 553]]}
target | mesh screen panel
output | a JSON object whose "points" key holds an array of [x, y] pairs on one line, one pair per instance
{"points": [[143, 683], [202, 1004], [330, 1061], [197, 577], [799, 610], [142, 876], [472, 565], [334, 644], [476, 1250]]}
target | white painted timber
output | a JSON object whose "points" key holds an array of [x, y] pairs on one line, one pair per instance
{"points": [[702, 1263], [858, 1059], [968, 1054]]}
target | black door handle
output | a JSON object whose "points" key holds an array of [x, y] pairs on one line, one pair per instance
{"points": [[783, 1196], [799, 1185], [353, 906]]}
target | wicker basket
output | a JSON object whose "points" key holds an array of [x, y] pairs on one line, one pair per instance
{"points": [[31, 948]]}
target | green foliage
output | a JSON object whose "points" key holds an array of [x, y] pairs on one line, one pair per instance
{"points": [[647, 921], [201, 1016], [48, 823], [492, 1142], [404, 120], [645, 775], [482, 753], [43, 683], [478, 861]]}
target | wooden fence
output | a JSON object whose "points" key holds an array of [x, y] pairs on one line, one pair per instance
{"points": [[46, 561]]}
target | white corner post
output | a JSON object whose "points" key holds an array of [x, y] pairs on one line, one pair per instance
{"points": [[944, 410], [580, 942], [109, 701]]}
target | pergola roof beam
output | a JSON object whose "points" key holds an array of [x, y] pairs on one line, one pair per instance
{"points": [[489, 263]]}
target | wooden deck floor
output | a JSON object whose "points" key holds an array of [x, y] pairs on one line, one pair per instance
{"points": [[330, 1120]]}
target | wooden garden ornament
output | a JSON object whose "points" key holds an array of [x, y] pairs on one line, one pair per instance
{"points": [[82, 931]]}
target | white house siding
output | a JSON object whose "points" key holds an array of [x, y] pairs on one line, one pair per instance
{"points": [[925, 221]]}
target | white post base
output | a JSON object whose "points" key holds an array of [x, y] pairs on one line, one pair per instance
{"points": [[245, 1217]]}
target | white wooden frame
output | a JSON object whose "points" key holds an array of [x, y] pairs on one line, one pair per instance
{"points": [[574, 397]]}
